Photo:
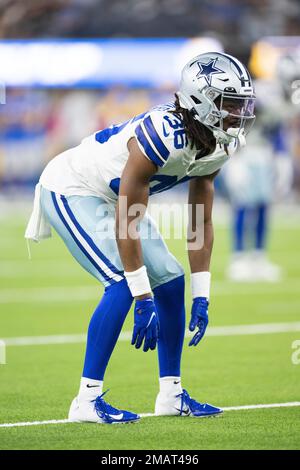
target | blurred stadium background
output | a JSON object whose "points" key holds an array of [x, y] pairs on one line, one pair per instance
{"points": [[58, 91], [70, 67]]}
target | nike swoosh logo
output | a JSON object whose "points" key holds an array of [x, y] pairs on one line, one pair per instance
{"points": [[152, 316], [175, 383], [117, 417], [92, 386], [166, 134], [185, 412]]}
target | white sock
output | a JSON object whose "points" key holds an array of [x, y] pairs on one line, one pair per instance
{"points": [[89, 389], [170, 386]]}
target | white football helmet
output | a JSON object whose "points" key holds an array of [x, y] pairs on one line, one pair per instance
{"points": [[215, 86]]}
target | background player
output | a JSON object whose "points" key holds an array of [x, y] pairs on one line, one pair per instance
{"points": [[262, 174]]}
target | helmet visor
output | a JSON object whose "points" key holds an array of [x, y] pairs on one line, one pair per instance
{"points": [[237, 112]]}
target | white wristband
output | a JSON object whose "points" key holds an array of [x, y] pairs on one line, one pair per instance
{"points": [[138, 281], [200, 283]]}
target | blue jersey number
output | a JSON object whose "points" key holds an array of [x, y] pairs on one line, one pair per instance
{"points": [[163, 182], [180, 137], [175, 122]]}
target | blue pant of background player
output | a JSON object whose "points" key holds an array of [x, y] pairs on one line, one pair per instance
{"points": [[250, 226]]}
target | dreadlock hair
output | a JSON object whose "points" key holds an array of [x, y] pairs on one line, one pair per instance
{"points": [[200, 136]]}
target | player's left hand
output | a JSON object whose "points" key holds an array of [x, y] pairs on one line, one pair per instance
{"points": [[199, 319]]}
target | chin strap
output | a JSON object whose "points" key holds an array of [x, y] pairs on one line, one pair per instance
{"points": [[231, 135]]}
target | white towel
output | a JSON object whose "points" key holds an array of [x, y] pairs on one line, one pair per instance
{"points": [[38, 228]]}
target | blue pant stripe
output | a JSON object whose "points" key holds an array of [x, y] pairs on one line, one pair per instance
{"points": [[88, 239], [106, 277]]}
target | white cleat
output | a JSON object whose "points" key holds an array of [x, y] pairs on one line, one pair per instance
{"points": [[98, 411], [253, 267], [168, 406], [241, 269], [183, 405], [264, 269], [83, 412]]}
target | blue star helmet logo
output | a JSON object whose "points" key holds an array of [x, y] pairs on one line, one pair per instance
{"points": [[208, 70]]}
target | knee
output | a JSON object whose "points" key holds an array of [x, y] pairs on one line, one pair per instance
{"points": [[169, 270], [171, 292], [119, 290], [174, 286]]}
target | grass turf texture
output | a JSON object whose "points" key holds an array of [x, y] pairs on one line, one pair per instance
{"points": [[38, 382]]}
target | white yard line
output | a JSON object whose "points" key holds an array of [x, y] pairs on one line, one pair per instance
{"points": [[49, 294], [256, 329], [38, 268], [77, 293], [231, 330], [34, 423], [150, 415], [46, 340]]}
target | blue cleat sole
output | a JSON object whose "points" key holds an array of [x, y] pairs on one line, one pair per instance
{"points": [[208, 415]]}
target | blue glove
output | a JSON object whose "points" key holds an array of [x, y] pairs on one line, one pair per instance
{"points": [[146, 326], [199, 319]]}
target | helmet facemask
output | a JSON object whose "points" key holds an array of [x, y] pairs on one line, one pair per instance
{"points": [[236, 117], [229, 116]]}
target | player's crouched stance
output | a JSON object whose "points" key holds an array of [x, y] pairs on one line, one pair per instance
{"points": [[86, 194]]}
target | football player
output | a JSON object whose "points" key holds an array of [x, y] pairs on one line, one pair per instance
{"points": [[81, 193], [263, 172]]}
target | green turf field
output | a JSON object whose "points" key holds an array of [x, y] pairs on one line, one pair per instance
{"points": [[51, 295]]}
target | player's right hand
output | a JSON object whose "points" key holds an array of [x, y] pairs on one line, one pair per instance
{"points": [[146, 325]]}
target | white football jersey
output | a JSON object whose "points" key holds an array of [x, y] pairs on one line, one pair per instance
{"points": [[95, 166]]}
